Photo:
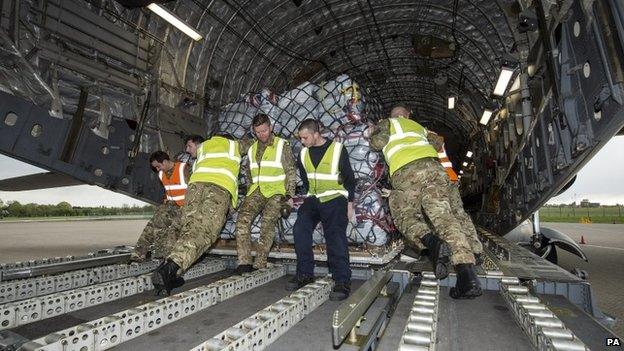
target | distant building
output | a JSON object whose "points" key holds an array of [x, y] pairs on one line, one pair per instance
{"points": [[586, 203]]}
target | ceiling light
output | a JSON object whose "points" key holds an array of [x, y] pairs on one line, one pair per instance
{"points": [[451, 102], [469, 154], [503, 80], [485, 118], [175, 21], [461, 172], [465, 164]]}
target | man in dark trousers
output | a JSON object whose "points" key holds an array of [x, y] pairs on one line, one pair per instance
{"points": [[328, 178]]}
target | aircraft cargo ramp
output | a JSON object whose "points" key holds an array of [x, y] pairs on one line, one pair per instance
{"points": [[73, 304]]}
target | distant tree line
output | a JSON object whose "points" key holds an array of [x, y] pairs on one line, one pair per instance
{"points": [[65, 209]]}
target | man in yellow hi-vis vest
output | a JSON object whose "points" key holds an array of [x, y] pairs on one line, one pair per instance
{"points": [[328, 178], [273, 181], [421, 191], [212, 190]]}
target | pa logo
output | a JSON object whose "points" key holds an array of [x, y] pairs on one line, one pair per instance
{"points": [[613, 342]]}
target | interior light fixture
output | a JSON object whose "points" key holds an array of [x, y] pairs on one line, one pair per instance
{"points": [[503, 80], [465, 164], [469, 154], [451, 102], [175, 21], [485, 117], [461, 172]]}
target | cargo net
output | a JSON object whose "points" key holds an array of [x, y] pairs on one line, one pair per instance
{"points": [[340, 106]]}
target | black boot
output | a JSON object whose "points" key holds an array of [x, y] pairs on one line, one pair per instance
{"points": [[467, 285], [244, 268], [439, 254], [298, 282], [340, 291], [165, 278]]}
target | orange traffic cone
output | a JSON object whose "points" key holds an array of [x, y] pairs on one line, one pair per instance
{"points": [[582, 240]]}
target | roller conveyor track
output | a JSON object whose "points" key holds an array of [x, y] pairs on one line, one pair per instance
{"points": [[44, 327], [492, 322], [192, 330]]}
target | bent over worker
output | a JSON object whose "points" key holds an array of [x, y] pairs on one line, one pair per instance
{"points": [[420, 192], [455, 200], [161, 231], [328, 178], [273, 181], [212, 191]]}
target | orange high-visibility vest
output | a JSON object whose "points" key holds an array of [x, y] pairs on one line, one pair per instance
{"points": [[175, 186], [444, 160]]}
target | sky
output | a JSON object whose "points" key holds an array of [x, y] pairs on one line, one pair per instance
{"points": [[599, 181]]}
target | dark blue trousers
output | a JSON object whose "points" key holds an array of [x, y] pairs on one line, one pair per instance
{"points": [[333, 217]]}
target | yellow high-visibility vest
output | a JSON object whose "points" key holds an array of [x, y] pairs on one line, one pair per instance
{"points": [[407, 143], [268, 174], [323, 179], [218, 162]]}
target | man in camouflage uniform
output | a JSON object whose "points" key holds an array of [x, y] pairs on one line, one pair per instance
{"points": [[161, 231], [273, 180], [420, 193], [212, 191], [457, 205]]}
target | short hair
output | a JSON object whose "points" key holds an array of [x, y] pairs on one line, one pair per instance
{"points": [[158, 156], [260, 119], [197, 139], [310, 124], [403, 106], [224, 135]]}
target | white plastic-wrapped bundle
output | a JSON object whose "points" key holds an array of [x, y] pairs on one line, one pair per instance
{"points": [[341, 102], [236, 118], [293, 107], [339, 105], [228, 231], [366, 163], [371, 225]]}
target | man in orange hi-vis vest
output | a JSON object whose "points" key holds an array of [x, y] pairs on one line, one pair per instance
{"points": [[457, 206], [161, 232]]}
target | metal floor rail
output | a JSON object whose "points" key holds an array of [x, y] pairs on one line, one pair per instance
{"points": [[259, 330], [32, 287], [545, 330], [420, 330], [15, 314], [7, 268], [110, 331]]}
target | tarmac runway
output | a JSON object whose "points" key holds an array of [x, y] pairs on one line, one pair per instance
{"points": [[605, 267], [29, 240]]}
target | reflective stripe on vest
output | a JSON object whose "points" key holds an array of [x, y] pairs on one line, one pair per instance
{"points": [[323, 179], [175, 186], [407, 143], [447, 164], [218, 162], [269, 175]]}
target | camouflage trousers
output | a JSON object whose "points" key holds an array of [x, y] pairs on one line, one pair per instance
{"points": [[420, 195], [253, 205], [203, 217], [160, 233], [457, 206]]}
